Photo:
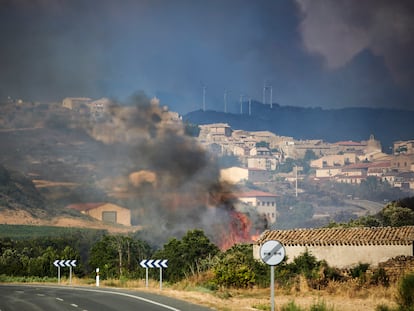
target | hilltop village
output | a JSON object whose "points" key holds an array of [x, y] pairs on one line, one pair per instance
{"points": [[289, 181], [261, 152], [266, 164], [344, 162]]}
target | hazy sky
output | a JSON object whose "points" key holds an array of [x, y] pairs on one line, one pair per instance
{"points": [[314, 53]]}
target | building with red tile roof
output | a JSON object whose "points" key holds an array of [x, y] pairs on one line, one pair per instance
{"points": [[344, 247], [106, 212]]}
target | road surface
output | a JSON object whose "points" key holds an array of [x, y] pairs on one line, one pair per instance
{"points": [[64, 298]]}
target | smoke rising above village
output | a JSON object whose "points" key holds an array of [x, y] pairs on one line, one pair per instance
{"points": [[170, 182]]}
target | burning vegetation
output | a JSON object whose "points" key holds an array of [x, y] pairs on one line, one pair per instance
{"points": [[171, 184]]}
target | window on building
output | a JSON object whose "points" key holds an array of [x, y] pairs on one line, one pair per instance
{"points": [[109, 217]]}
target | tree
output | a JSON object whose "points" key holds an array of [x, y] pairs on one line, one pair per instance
{"points": [[118, 256], [396, 216], [237, 268], [184, 256], [262, 144], [309, 155], [287, 166], [306, 264], [191, 129]]}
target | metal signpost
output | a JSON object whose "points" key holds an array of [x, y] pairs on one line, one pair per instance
{"points": [[272, 253], [65, 263], [151, 263]]}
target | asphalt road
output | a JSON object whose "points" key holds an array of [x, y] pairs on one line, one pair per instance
{"points": [[38, 297]]}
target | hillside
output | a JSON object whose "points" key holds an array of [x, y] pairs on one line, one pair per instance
{"points": [[18, 192], [315, 123]]}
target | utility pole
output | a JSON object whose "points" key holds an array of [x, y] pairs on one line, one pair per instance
{"points": [[296, 181]]}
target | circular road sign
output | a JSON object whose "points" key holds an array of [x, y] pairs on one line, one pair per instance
{"points": [[272, 252]]}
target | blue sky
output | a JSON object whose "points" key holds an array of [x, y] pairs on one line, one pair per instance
{"points": [[314, 53]]}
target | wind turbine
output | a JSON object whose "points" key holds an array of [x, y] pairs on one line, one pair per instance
{"points": [[241, 103], [225, 100], [204, 97]]}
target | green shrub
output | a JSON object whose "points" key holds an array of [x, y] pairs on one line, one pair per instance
{"points": [[320, 306], [405, 293], [291, 306], [383, 307], [380, 277], [307, 265], [237, 268], [359, 272]]}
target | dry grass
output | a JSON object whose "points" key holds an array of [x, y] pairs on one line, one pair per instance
{"points": [[349, 296]]}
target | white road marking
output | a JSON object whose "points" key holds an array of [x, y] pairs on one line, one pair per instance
{"points": [[74, 305], [130, 296], [60, 299]]}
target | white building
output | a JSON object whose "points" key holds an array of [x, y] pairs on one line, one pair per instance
{"points": [[343, 247], [265, 203]]}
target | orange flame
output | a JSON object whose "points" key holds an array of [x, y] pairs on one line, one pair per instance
{"points": [[238, 231]]}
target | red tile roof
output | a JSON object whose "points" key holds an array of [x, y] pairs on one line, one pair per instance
{"points": [[341, 236]]}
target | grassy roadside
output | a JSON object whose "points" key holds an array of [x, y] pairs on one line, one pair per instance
{"points": [[349, 296]]}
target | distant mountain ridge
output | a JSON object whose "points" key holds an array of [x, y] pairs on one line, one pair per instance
{"points": [[357, 124]]}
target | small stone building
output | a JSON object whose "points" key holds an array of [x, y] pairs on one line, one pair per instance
{"points": [[264, 202], [344, 247], [106, 212]]}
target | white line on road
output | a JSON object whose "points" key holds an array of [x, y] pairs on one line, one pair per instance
{"points": [[130, 296], [74, 305]]}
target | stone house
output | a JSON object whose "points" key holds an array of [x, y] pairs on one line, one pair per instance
{"points": [[75, 103], [334, 160], [343, 247], [379, 169], [403, 162], [327, 172], [351, 146], [353, 174], [215, 132], [265, 203], [262, 162], [404, 147], [106, 212]]}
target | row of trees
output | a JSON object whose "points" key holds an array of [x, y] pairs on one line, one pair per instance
{"points": [[118, 257], [395, 214]]}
